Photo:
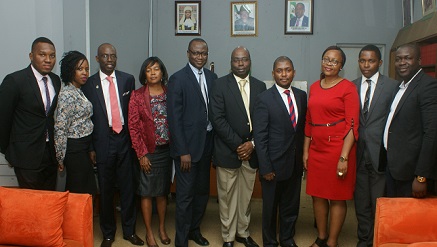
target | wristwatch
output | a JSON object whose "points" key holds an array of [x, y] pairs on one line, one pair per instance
{"points": [[421, 179], [343, 159]]}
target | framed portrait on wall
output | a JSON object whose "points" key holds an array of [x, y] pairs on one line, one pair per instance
{"points": [[299, 16], [428, 6], [244, 19], [187, 18], [407, 9]]}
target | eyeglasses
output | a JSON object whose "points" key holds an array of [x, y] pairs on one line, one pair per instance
{"points": [[198, 54], [327, 61], [240, 59]]}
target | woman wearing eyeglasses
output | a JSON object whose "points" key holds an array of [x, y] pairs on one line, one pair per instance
{"points": [[329, 148]]}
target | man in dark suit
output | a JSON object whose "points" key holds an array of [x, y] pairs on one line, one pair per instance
{"points": [[410, 131], [191, 141], [27, 102], [279, 132], [300, 20], [109, 91], [376, 94], [232, 103]]}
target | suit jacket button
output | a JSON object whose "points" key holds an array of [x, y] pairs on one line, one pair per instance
{"points": [[248, 124]]}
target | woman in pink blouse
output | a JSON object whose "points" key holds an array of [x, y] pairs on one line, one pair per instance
{"points": [[73, 125], [149, 132]]}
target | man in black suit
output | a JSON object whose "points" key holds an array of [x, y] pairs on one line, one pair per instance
{"points": [[109, 91], [27, 102], [191, 141], [410, 131], [376, 94], [232, 103], [279, 133], [300, 20]]}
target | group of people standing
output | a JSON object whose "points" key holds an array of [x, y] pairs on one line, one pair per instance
{"points": [[364, 139]]}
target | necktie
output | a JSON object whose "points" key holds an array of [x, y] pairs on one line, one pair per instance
{"points": [[202, 88], [242, 83], [46, 87], [367, 98], [297, 22], [115, 111], [291, 107]]}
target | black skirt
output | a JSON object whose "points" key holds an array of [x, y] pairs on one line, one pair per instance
{"points": [[80, 170], [157, 182]]}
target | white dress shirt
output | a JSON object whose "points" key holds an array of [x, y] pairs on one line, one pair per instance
{"points": [[41, 86], [365, 85], [105, 89], [285, 99]]}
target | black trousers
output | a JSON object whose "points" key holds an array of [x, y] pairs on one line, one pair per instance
{"points": [[117, 170], [41, 178], [192, 193], [284, 195]]}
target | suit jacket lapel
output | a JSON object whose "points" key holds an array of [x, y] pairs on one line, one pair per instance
{"points": [[235, 91], [410, 88], [97, 84], [278, 99], [35, 88], [194, 81], [376, 94], [298, 99]]}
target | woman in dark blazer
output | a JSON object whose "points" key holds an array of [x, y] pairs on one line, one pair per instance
{"points": [[149, 132]]}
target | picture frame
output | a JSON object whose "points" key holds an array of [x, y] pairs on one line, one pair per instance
{"points": [[407, 10], [299, 17], [244, 18], [428, 6], [188, 18]]}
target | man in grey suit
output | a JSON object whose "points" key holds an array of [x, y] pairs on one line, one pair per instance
{"points": [[232, 103], [376, 93]]}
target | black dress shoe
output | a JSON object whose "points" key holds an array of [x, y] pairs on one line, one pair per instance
{"points": [[107, 242], [228, 244], [198, 238], [248, 242], [134, 239]]}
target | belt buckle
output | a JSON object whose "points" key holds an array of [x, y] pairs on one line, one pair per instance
{"points": [[328, 124]]}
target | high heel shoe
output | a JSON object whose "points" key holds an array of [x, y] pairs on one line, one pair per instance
{"points": [[149, 245], [166, 241]]}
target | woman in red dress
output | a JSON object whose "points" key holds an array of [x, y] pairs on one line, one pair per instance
{"points": [[329, 148]]}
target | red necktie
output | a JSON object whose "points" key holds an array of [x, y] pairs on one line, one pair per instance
{"points": [[115, 111], [291, 107]]}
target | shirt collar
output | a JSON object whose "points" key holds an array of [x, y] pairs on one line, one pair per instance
{"points": [[103, 75], [374, 78], [195, 70], [282, 90], [38, 75], [405, 84], [237, 78]]}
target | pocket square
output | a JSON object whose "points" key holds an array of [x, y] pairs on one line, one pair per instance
{"points": [[126, 93]]}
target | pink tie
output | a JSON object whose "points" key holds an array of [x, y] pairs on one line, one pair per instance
{"points": [[115, 111], [297, 22]]}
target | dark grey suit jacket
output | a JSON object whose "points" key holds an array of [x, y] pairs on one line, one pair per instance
{"points": [[23, 121], [187, 113], [412, 133], [371, 130], [93, 91], [279, 147], [230, 121]]}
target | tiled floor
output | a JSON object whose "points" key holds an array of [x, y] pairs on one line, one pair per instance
{"points": [[305, 232]]}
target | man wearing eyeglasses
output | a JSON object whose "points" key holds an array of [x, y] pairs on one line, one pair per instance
{"points": [[232, 104], [109, 91], [191, 141]]}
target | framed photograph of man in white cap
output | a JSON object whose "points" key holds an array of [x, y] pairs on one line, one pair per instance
{"points": [[187, 18], [244, 19], [299, 16]]}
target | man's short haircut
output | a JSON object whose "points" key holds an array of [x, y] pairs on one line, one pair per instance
{"points": [[197, 40], [373, 48], [303, 5], [41, 40], [282, 59], [100, 46]]}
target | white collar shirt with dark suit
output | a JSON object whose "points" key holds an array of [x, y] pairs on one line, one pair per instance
{"points": [[279, 147], [24, 123], [370, 177], [412, 132]]}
